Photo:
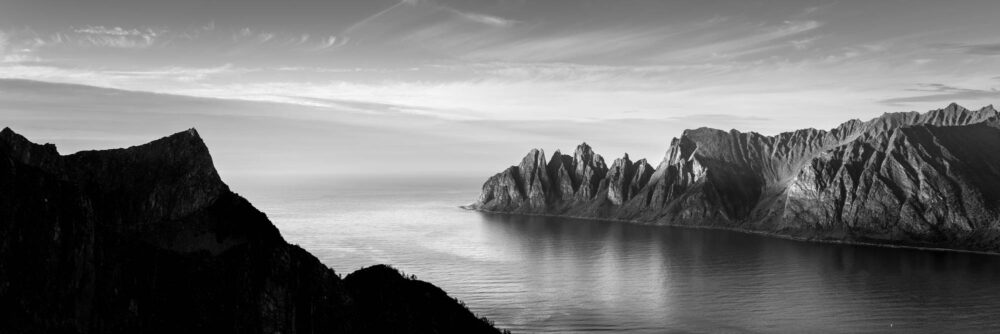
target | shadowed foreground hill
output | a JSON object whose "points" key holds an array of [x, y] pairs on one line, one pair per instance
{"points": [[149, 239], [924, 180]]}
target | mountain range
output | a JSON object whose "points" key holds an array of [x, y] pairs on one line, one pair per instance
{"points": [[903, 179], [148, 239]]}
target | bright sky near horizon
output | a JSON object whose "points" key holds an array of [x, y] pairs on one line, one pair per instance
{"points": [[480, 80]]}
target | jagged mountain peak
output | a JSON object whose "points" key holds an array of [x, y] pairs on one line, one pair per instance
{"points": [[951, 115], [11, 138], [535, 154], [182, 156], [24, 151], [904, 177], [701, 131], [184, 140]]}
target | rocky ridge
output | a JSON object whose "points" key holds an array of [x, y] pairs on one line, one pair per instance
{"points": [[913, 179], [149, 239]]}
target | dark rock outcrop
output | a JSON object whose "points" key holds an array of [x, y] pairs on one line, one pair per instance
{"points": [[149, 239], [915, 179]]}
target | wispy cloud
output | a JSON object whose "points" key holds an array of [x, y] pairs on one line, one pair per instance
{"points": [[242, 40], [331, 42], [936, 92], [116, 31], [4, 40], [18, 58], [27, 40], [302, 39], [182, 74], [524, 44], [490, 20], [718, 38], [805, 43], [372, 17], [570, 46], [761, 39], [15, 51], [153, 79], [117, 37], [265, 37], [982, 49], [242, 34], [716, 118]]}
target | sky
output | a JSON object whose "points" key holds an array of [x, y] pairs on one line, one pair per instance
{"points": [[448, 86]]}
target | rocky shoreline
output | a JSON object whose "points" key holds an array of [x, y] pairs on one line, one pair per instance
{"points": [[730, 229]]}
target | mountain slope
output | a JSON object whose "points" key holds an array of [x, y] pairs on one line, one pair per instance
{"points": [[911, 179], [149, 239]]}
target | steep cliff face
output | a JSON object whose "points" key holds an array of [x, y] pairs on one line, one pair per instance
{"points": [[903, 178], [149, 239], [922, 184]]}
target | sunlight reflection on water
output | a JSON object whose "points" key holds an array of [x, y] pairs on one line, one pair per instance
{"points": [[543, 274]]}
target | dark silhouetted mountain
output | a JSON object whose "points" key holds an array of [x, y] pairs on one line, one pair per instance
{"points": [[924, 180], [149, 239]]}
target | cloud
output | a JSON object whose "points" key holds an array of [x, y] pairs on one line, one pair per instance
{"points": [[983, 49], [369, 107], [14, 56], [554, 47], [101, 30], [942, 93], [743, 44], [4, 40], [719, 118], [805, 43], [183, 74], [116, 37], [365, 21], [490, 20], [121, 42], [719, 38], [146, 79], [302, 39], [264, 37], [18, 58], [242, 34], [331, 42], [636, 76]]}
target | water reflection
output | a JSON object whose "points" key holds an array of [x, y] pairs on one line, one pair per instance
{"points": [[545, 274], [660, 278]]}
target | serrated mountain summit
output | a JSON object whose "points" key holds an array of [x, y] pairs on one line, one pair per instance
{"points": [[913, 179]]}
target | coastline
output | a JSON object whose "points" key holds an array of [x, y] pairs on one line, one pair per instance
{"points": [[722, 228]]}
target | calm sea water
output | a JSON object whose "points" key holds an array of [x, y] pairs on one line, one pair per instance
{"points": [[552, 275]]}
